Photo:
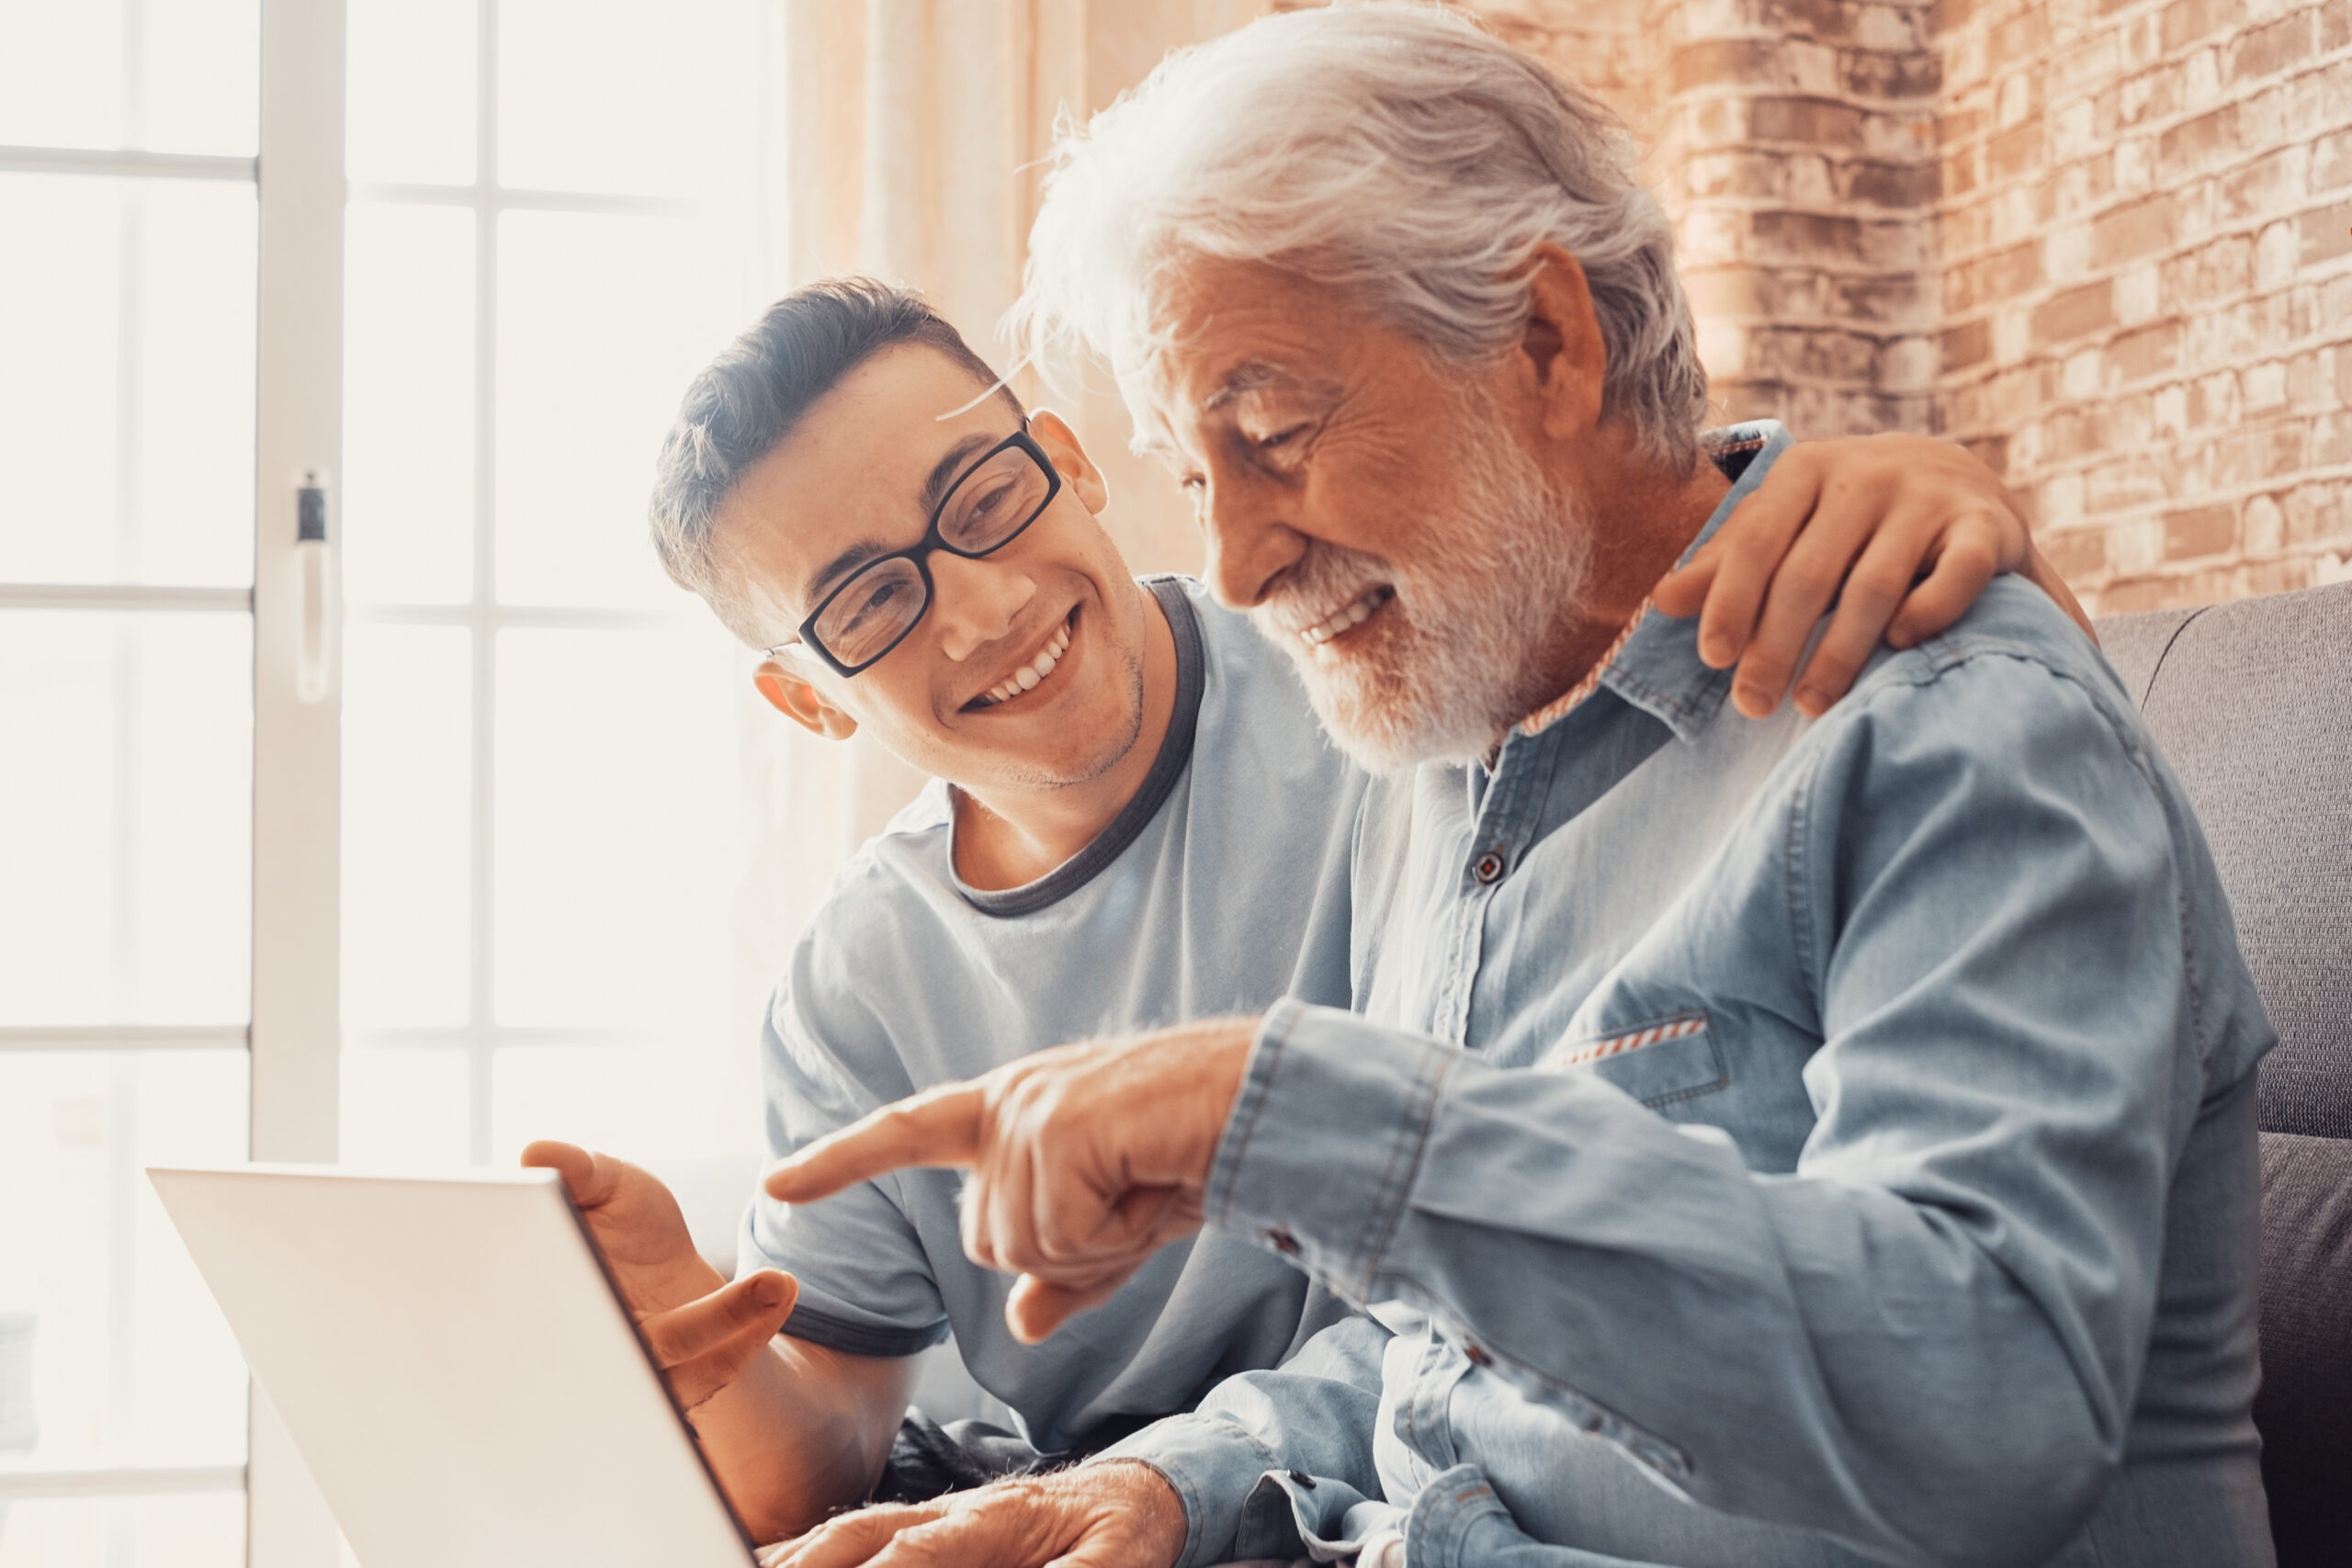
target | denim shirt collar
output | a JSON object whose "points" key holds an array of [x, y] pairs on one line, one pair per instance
{"points": [[1659, 669]]}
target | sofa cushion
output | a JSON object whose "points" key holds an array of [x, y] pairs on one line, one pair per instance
{"points": [[2304, 1410], [2252, 704]]}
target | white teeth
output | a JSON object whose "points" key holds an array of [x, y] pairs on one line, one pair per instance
{"points": [[1040, 665], [1341, 619]]}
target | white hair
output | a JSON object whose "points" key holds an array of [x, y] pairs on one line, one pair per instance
{"points": [[1395, 151]]}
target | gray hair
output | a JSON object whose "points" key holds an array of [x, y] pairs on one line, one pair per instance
{"points": [[1398, 152]]}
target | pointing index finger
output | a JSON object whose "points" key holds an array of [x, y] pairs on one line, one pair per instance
{"points": [[940, 1127]]}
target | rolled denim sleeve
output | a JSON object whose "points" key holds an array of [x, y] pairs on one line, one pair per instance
{"points": [[1312, 1416], [1925, 1340]]}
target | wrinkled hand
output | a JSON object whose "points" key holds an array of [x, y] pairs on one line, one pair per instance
{"points": [[703, 1331], [1859, 520], [1085, 1160], [1111, 1515]]}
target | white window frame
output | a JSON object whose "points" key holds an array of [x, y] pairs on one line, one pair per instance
{"points": [[292, 1039], [296, 1041]]}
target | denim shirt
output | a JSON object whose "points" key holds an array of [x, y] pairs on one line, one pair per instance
{"points": [[1766, 1142]]}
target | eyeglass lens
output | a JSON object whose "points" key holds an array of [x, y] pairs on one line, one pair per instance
{"points": [[987, 507]]}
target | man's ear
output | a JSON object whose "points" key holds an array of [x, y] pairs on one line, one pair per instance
{"points": [[1562, 347], [1077, 470], [792, 694]]}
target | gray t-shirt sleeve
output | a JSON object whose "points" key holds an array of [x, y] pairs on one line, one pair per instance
{"points": [[866, 1286]]}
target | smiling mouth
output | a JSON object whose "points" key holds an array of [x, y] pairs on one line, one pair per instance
{"points": [[1030, 675], [1347, 618]]}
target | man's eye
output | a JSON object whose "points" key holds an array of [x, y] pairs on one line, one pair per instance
{"points": [[876, 601], [1280, 437]]}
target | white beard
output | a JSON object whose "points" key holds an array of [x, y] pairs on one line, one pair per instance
{"points": [[1445, 671]]}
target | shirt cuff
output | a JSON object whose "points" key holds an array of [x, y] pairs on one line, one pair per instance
{"points": [[1325, 1140], [1212, 1464]]}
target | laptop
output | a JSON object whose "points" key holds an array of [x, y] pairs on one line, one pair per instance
{"points": [[455, 1367]]}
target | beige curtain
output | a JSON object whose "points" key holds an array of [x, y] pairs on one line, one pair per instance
{"points": [[904, 140]]}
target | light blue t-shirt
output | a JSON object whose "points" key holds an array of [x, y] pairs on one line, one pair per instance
{"points": [[1222, 887]]}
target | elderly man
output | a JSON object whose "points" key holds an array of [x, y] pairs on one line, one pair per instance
{"points": [[1800, 1141], [919, 557]]}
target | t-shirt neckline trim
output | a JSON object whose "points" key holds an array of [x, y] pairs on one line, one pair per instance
{"points": [[1175, 752]]}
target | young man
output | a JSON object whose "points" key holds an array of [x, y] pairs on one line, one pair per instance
{"points": [[1137, 824]]}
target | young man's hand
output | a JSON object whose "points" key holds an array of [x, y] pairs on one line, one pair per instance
{"points": [[1115, 1514], [702, 1331], [1903, 532], [1085, 1160]]}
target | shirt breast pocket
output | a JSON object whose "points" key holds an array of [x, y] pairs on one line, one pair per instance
{"points": [[1660, 1062]]}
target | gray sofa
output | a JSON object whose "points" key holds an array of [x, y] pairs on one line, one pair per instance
{"points": [[2252, 704]]}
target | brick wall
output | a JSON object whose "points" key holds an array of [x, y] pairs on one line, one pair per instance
{"points": [[2147, 282], [2108, 244]]}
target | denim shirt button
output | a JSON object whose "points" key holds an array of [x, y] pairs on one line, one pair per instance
{"points": [[1282, 1241], [1489, 868], [1302, 1479]]}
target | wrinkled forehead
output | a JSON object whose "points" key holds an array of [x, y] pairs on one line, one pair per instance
{"points": [[1207, 334]]}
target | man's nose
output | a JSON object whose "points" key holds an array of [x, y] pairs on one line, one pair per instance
{"points": [[1249, 544], [976, 602]]}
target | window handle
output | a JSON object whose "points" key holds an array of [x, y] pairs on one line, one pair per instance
{"points": [[315, 598]]}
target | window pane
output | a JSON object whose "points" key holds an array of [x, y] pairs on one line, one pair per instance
{"points": [[127, 854], [407, 757], [601, 322], [202, 69], [127, 382], [408, 409], [130, 1360], [410, 113], [404, 1108], [615, 778], [619, 96], [207, 1530], [170, 75]]}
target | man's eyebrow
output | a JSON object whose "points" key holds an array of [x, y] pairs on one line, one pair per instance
{"points": [[1251, 376], [949, 468], [944, 473]]}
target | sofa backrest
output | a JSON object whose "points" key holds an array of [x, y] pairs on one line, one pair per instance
{"points": [[2252, 704]]}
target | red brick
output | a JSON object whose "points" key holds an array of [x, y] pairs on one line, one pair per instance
{"points": [[2200, 531], [2217, 271], [2078, 555], [2195, 144], [2074, 313], [1874, 183], [2124, 486], [1817, 122], [2326, 233], [2019, 38], [2261, 51], [2317, 514], [2335, 25], [1966, 344], [2153, 95], [2186, 21], [1873, 74], [1743, 62], [2264, 188], [2014, 150], [2331, 159], [2149, 351], [2128, 232]]}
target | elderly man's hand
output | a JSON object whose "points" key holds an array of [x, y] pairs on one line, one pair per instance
{"points": [[1903, 531], [1117, 1514], [702, 1329], [1085, 1160]]}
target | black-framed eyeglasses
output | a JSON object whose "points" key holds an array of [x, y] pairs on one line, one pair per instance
{"points": [[1006, 489]]}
